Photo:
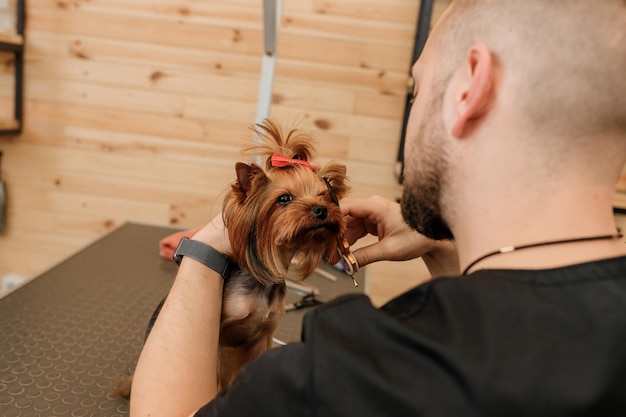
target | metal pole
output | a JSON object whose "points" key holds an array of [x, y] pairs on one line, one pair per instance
{"points": [[272, 12]]}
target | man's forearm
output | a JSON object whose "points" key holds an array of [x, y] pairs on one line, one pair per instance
{"points": [[177, 369]]}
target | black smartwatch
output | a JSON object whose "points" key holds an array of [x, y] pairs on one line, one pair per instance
{"points": [[203, 253]]}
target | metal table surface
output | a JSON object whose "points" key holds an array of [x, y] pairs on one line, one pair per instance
{"points": [[69, 335]]}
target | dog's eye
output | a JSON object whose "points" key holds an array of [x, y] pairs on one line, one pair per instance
{"points": [[285, 199]]}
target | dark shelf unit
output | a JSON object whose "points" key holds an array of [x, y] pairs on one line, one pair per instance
{"points": [[14, 43], [421, 34]]}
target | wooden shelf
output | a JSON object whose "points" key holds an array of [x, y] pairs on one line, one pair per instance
{"points": [[14, 42], [9, 125], [11, 39]]}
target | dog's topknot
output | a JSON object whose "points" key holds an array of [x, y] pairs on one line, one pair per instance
{"points": [[295, 144]]}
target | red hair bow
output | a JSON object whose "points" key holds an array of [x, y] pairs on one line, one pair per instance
{"points": [[280, 161]]}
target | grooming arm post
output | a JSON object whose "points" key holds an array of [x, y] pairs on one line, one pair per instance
{"points": [[272, 12]]}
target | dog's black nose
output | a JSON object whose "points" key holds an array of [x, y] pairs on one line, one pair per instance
{"points": [[320, 212]]}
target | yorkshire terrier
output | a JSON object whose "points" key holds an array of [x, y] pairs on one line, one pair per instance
{"points": [[281, 219]]}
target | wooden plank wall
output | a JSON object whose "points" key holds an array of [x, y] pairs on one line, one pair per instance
{"points": [[136, 110], [620, 191]]}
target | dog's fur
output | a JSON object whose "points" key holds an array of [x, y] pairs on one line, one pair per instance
{"points": [[280, 221]]}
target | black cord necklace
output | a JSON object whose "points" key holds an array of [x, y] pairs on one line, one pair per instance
{"points": [[508, 249]]}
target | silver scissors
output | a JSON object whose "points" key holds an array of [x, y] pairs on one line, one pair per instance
{"points": [[350, 263]]}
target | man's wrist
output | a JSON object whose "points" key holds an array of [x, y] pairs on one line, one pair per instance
{"points": [[203, 253], [216, 236]]}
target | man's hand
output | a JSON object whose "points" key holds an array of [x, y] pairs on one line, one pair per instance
{"points": [[396, 240], [215, 235]]}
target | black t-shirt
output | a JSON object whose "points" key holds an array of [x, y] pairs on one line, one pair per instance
{"points": [[495, 343]]}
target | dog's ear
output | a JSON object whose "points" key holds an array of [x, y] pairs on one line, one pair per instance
{"points": [[336, 175], [248, 177]]}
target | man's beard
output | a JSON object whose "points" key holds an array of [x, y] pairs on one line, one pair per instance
{"points": [[421, 210], [421, 197]]}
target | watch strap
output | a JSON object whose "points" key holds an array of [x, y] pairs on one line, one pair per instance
{"points": [[203, 253]]}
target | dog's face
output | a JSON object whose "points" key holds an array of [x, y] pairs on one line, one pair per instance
{"points": [[272, 215]]}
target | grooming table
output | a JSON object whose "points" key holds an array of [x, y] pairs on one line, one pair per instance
{"points": [[69, 335]]}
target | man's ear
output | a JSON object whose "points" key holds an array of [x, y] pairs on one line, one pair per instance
{"points": [[476, 89]]}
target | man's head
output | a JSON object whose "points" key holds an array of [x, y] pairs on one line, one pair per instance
{"points": [[553, 68]]}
